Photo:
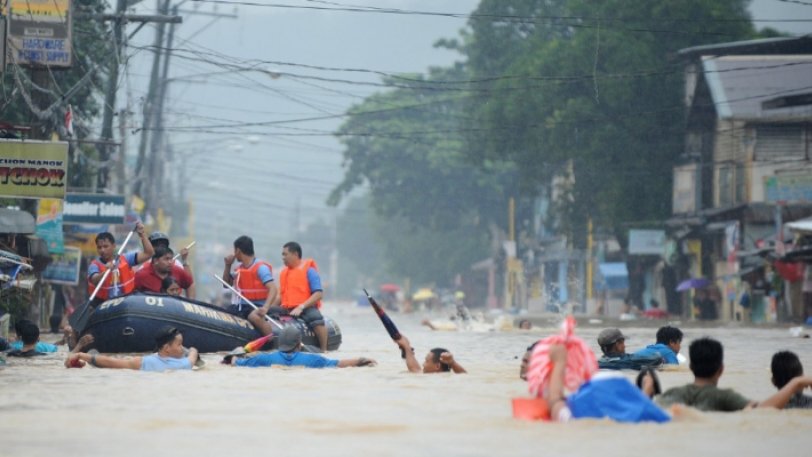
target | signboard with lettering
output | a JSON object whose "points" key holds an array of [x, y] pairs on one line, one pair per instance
{"points": [[94, 209], [65, 267], [788, 189], [33, 169], [39, 32]]}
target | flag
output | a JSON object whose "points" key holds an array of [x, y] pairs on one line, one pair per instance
{"points": [[69, 121]]}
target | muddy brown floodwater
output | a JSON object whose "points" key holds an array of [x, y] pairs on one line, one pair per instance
{"points": [[47, 410]]}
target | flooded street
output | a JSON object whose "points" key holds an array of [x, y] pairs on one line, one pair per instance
{"points": [[47, 410]]}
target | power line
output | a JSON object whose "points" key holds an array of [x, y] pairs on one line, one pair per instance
{"points": [[535, 19]]}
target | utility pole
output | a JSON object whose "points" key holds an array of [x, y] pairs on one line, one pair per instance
{"points": [[158, 135], [150, 169], [144, 184], [120, 19], [110, 95]]}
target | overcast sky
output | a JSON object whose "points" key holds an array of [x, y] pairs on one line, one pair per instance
{"points": [[252, 182]]}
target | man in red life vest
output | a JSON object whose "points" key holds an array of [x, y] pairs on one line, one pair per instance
{"points": [[300, 291], [253, 278], [122, 280]]}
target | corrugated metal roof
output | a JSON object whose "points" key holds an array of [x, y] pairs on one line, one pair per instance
{"points": [[762, 46], [740, 84]]}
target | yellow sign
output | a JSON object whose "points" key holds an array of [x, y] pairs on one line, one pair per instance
{"points": [[33, 169]]}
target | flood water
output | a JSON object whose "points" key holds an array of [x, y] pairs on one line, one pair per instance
{"points": [[47, 410]]}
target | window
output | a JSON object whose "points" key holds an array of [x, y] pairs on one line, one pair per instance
{"points": [[780, 142]]}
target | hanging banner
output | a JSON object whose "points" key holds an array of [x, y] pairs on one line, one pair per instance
{"points": [[33, 169], [94, 209], [49, 224], [65, 267], [39, 32]]}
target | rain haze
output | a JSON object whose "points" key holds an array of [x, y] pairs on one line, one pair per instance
{"points": [[254, 164], [538, 213]]}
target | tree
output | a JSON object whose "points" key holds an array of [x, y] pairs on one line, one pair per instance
{"points": [[601, 96], [406, 145]]}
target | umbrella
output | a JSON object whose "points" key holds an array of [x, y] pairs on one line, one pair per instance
{"points": [[389, 287], [423, 294], [581, 362], [693, 283]]}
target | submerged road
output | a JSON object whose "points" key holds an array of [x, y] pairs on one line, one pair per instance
{"points": [[47, 410]]}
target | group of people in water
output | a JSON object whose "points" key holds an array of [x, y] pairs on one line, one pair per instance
{"points": [[706, 362], [300, 292]]}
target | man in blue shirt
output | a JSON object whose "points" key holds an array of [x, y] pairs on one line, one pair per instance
{"points": [[169, 356], [19, 327], [290, 355], [669, 340]]}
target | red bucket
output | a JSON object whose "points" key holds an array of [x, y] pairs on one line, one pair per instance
{"points": [[531, 409]]}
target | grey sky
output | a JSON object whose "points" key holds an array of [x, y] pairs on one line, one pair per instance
{"points": [[252, 182]]}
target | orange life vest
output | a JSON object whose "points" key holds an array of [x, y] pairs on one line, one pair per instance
{"points": [[293, 285], [126, 279], [248, 282]]}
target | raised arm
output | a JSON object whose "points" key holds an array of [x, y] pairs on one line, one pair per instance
{"points": [[148, 251], [448, 359], [555, 394], [229, 261], [408, 354]]}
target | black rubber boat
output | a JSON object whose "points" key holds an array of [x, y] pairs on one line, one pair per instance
{"points": [[130, 324]]}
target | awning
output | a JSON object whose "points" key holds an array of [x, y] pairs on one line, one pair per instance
{"points": [[16, 221], [615, 276], [803, 226]]}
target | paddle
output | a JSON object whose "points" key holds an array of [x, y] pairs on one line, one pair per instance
{"points": [[187, 247], [385, 320], [79, 318], [249, 347], [267, 317], [390, 327]]}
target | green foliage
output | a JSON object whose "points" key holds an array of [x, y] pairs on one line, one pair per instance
{"points": [[406, 147], [15, 301], [91, 46], [610, 100], [93, 53], [590, 90]]}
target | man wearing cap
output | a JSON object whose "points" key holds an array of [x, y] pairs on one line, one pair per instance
{"points": [[290, 355], [613, 345]]}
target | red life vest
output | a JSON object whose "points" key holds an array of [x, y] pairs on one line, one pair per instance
{"points": [[293, 285], [126, 279], [248, 282]]}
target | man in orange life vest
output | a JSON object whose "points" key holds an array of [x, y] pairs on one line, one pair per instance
{"points": [[106, 247], [300, 291], [253, 278]]}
